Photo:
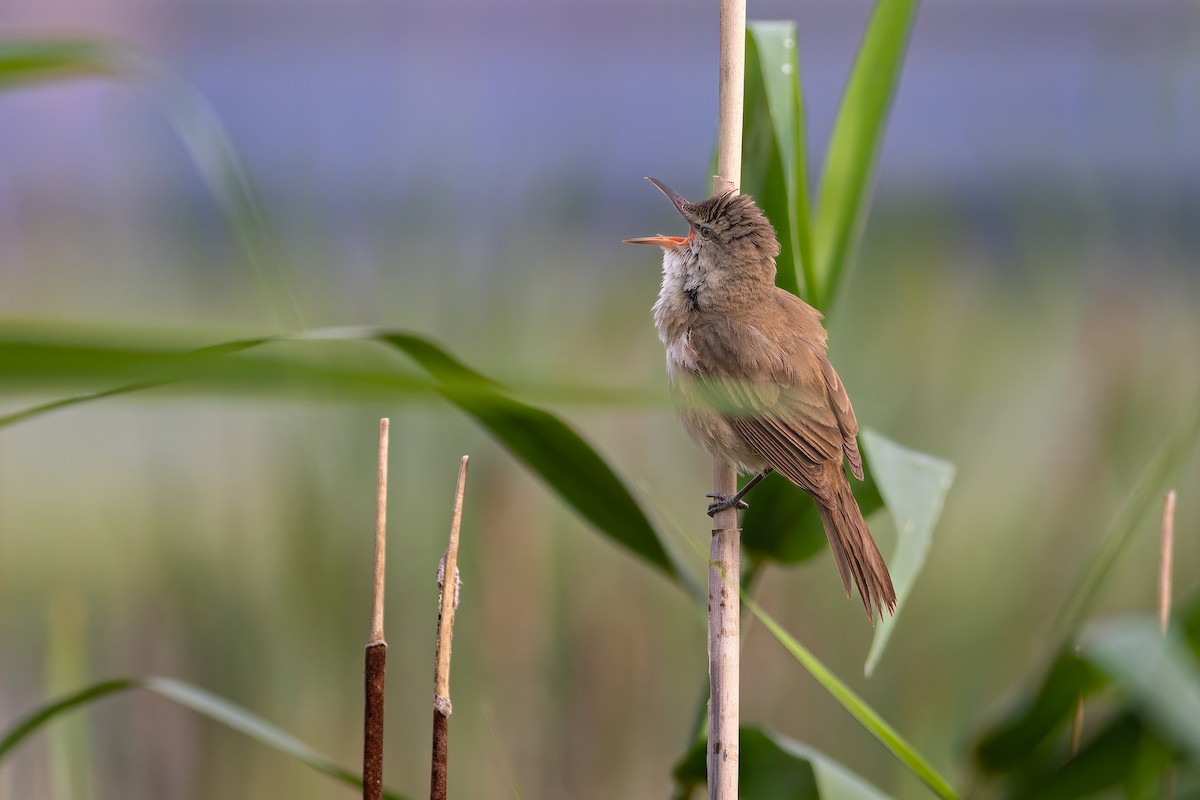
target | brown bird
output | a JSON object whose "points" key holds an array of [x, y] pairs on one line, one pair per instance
{"points": [[747, 368]]}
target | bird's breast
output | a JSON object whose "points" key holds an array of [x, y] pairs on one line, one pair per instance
{"points": [[681, 357]]}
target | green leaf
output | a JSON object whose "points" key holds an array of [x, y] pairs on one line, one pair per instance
{"points": [[772, 767], [774, 157], [834, 781], [1168, 462], [857, 135], [550, 448], [31, 722], [1156, 673], [1028, 730], [1156, 724], [913, 486], [195, 698], [858, 708], [1103, 762], [782, 523], [547, 446], [23, 62]]}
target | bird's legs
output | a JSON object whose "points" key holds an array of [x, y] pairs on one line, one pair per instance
{"points": [[722, 502]]}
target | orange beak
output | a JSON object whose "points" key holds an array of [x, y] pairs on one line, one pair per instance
{"points": [[661, 240]]}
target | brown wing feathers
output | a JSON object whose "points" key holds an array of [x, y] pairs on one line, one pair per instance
{"points": [[792, 409]]}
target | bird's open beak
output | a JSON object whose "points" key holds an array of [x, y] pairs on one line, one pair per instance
{"points": [[660, 240], [671, 194]]}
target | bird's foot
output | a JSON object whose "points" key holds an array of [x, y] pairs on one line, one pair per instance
{"points": [[724, 502]]}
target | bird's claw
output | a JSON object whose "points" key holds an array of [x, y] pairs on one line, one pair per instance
{"points": [[724, 502]]}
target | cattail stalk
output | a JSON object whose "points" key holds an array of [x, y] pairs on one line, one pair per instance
{"points": [[376, 652], [448, 585]]}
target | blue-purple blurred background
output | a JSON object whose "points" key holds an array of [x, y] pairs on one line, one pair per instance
{"points": [[1024, 304]]}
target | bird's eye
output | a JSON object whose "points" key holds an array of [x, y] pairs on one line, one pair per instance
{"points": [[704, 230]]}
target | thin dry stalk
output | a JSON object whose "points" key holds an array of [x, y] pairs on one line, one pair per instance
{"points": [[376, 653], [1166, 556], [1077, 726], [447, 603], [724, 569], [380, 535]]}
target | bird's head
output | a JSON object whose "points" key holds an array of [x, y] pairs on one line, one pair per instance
{"points": [[726, 232]]}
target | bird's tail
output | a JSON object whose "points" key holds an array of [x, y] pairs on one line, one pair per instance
{"points": [[858, 558]]}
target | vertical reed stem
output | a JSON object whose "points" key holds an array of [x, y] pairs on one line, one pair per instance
{"points": [[448, 585], [1166, 557], [376, 652], [724, 569]]}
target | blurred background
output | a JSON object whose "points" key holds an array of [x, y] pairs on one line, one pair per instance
{"points": [[1024, 305]]}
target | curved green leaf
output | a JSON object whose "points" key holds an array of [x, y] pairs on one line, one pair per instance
{"points": [[547, 446], [913, 486], [773, 767], [1156, 725], [198, 700], [563, 459], [783, 525], [858, 708], [23, 62], [857, 135], [24, 727], [774, 157], [1029, 730], [1106, 761], [1157, 673]]}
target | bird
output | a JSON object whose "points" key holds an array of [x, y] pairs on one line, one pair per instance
{"points": [[750, 378]]}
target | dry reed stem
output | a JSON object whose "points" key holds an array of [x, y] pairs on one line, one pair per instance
{"points": [[724, 568], [380, 535], [1077, 726], [375, 666], [447, 603], [1166, 556]]}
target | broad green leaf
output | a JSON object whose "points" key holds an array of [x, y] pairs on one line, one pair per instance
{"points": [[913, 486], [1157, 724], [543, 442], [1028, 731], [850, 164], [24, 62], [858, 708], [782, 523], [1034, 731], [547, 446], [198, 700], [1103, 762], [1157, 673], [765, 770], [834, 781], [773, 767], [774, 159], [1180, 446]]}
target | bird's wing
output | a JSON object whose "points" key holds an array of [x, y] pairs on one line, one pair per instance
{"points": [[780, 400], [840, 402]]}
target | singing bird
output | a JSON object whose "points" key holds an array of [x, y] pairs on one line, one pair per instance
{"points": [[747, 366]]}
